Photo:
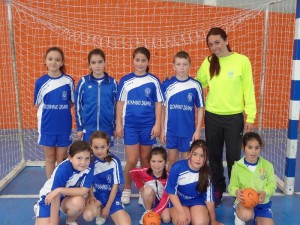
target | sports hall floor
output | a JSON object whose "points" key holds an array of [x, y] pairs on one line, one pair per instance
{"points": [[18, 197]]}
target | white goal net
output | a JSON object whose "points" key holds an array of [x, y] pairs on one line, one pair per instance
{"points": [[263, 30]]}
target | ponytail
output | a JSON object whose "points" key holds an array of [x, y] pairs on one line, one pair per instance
{"points": [[215, 68]]}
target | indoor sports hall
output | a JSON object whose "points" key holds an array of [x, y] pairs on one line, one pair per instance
{"points": [[267, 31]]}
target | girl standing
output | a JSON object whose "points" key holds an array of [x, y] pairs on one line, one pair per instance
{"points": [[95, 99], [53, 97], [190, 189], [253, 171], [138, 114], [67, 187], [105, 197], [151, 182]]}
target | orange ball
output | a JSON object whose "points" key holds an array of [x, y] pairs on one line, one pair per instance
{"points": [[251, 198], [151, 218]]}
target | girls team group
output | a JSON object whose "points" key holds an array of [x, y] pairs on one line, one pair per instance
{"points": [[183, 191]]}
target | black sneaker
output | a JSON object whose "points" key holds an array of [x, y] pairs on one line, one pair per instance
{"points": [[218, 199]]}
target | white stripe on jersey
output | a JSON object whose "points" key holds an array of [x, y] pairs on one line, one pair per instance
{"points": [[187, 178], [177, 87], [53, 84], [79, 100], [40, 95], [136, 82], [101, 167], [76, 176]]}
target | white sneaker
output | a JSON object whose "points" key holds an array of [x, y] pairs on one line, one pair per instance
{"points": [[141, 220], [238, 221], [35, 208], [140, 199], [100, 220], [125, 199]]}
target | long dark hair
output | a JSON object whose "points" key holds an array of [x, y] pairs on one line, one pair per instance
{"points": [[158, 151], [204, 173], [102, 135], [215, 68], [62, 69], [144, 51]]}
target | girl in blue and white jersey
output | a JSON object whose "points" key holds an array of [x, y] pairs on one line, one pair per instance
{"points": [[105, 197], [138, 114], [95, 99], [54, 97], [67, 188], [190, 189]]}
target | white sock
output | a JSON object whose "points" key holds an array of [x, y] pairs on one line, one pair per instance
{"points": [[238, 221], [71, 223], [127, 190]]}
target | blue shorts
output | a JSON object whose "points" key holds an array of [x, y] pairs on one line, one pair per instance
{"points": [[263, 210], [55, 140], [40, 209], [116, 205], [142, 136], [190, 202], [181, 143], [87, 134]]}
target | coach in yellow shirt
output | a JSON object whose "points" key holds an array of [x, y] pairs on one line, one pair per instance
{"points": [[228, 75]]}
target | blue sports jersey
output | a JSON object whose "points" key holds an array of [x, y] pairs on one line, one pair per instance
{"points": [[139, 94], [95, 104], [182, 181], [65, 175], [106, 174], [54, 97], [180, 100]]}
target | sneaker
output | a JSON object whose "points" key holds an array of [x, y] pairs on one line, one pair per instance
{"points": [[140, 199], [218, 199], [238, 221], [72, 223], [141, 220], [125, 199], [35, 208], [100, 220]]}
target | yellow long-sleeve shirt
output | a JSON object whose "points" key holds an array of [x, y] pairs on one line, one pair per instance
{"points": [[232, 91]]}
